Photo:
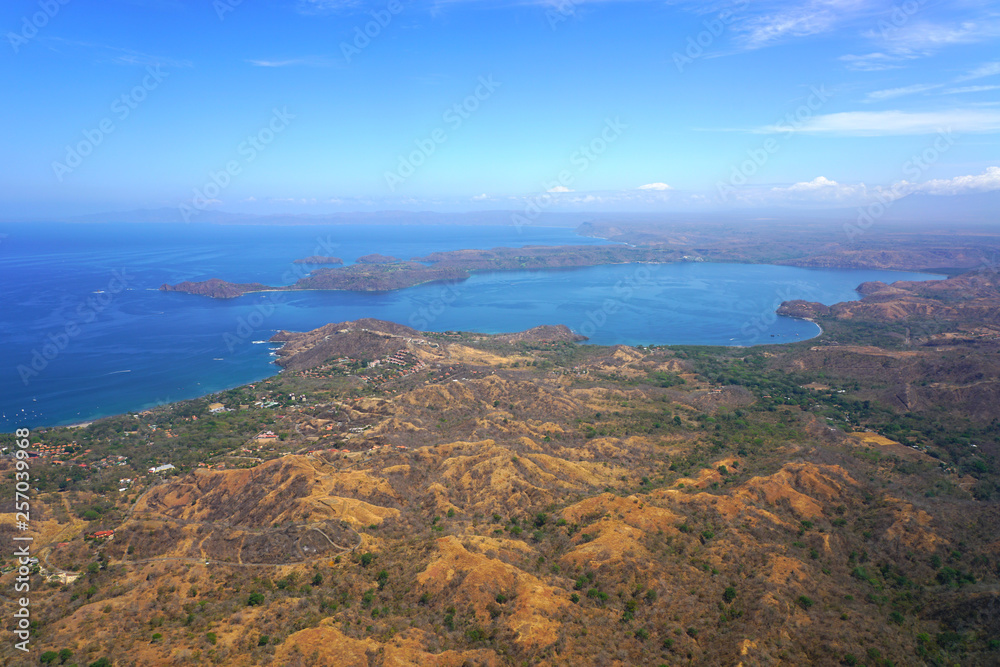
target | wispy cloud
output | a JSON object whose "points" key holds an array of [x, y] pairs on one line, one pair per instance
{"points": [[326, 6], [873, 62], [780, 22], [984, 70], [901, 36], [893, 93], [304, 61], [925, 37], [888, 123], [118, 55], [970, 89], [659, 187]]}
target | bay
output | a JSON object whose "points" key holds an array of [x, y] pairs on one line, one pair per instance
{"points": [[76, 348]]}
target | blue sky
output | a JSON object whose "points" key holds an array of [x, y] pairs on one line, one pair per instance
{"points": [[285, 105]]}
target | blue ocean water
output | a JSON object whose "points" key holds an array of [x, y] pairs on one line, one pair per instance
{"points": [[86, 332]]}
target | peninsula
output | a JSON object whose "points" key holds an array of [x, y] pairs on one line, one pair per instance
{"points": [[318, 260], [816, 245], [377, 273]]}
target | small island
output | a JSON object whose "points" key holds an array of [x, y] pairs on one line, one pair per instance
{"points": [[319, 260], [376, 258]]}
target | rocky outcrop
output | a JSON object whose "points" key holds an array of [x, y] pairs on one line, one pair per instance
{"points": [[376, 258], [215, 288], [319, 259]]}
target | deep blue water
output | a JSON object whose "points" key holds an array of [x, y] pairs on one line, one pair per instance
{"points": [[78, 346]]}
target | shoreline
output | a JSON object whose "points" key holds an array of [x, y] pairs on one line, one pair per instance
{"points": [[486, 271], [279, 369]]}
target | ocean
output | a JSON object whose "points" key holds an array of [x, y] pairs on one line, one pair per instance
{"points": [[87, 333]]}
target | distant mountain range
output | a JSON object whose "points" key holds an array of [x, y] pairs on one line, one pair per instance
{"points": [[975, 208]]}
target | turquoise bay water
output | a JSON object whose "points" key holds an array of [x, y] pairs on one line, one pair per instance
{"points": [[86, 332]]}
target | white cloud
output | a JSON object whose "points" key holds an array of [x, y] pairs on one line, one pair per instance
{"points": [[660, 187], [924, 37], [984, 182], [987, 69], [892, 93], [482, 197], [559, 188], [872, 62], [812, 18], [121, 56], [822, 189], [971, 89], [887, 123], [305, 61], [321, 6]]}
